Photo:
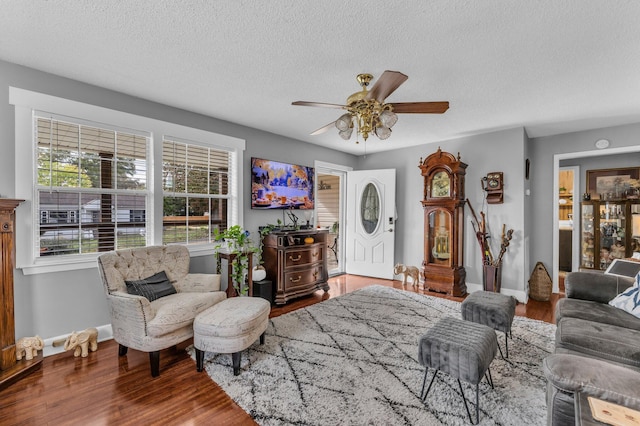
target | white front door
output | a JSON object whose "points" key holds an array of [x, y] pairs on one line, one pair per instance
{"points": [[371, 199]]}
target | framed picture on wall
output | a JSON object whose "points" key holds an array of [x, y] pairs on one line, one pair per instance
{"points": [[612, 184]]}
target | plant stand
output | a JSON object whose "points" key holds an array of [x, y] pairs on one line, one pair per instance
{"points": [[230, 258]]}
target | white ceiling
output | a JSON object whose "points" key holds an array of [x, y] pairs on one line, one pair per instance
{"points": [[550, 66]]}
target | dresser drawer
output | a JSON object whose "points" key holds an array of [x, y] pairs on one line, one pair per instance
{"points": [[302, 277], [302, 256]]}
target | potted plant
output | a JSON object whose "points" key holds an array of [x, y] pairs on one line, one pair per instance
{"points": [[236, 241]]}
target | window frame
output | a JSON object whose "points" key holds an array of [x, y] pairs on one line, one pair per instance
{"points": [[27, 103]]}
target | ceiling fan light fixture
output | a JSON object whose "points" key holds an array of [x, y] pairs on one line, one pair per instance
{"points": [[383, 132], [388, 118], [346, 134], [368, 112], [344, 123]]}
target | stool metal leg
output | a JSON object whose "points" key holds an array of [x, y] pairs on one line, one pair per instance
{"points": [[424, 381], [500, 350], [489, 378], [477, 403], [506, 344]]}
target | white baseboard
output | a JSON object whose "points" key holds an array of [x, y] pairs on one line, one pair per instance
{"points": [[104, 333]]}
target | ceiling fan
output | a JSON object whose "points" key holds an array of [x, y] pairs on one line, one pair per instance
{"points": [[367, 111]]}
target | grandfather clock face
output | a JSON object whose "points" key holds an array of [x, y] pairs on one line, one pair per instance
{"points": [[441, 185]]}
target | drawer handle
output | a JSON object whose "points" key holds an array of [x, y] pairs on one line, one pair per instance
{"points": [[297, 280], [296, 259], [314, 254], [315, 274]]}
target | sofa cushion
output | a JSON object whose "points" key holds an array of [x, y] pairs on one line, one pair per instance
{"points": [[153, 287], [595, 311], [178, 310], [604, 341]]}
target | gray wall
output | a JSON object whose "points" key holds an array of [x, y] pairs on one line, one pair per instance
{"points": [[491, 152], [56, 303], [604, 161], [577, 144]]}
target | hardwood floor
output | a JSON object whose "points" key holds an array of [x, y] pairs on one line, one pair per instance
{"points": [[106, 389]]}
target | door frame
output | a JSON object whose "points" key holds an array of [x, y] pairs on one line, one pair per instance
{"points": [[322, 167], [575, 209], [556, 168]]}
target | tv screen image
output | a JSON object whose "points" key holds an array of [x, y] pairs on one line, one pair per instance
{"points": [[278, 185]]}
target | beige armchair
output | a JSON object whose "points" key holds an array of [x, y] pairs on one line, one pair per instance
{"points": [[151, 326]]}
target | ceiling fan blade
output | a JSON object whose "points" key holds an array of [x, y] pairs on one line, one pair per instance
{"points": [[420, 107], [316, 104], [388, 82], [323, 129]]}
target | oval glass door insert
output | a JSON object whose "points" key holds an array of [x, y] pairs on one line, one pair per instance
{"points": [[370, 208]]}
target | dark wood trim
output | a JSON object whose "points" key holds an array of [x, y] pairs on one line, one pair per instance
{"points": [[11, 370]]}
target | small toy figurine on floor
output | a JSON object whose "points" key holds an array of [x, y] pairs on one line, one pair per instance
{"points": [[82, 342], [29, 346], [407, 271]]}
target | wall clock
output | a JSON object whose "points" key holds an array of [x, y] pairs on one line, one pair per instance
{"points": [[493, 184], [443, 205]]}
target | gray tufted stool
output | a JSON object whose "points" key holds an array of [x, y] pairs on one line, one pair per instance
{"points": [[462, 349], [230, 326], [494, 310]]}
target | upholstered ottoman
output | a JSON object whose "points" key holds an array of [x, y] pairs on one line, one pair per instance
{"points": [[494, 310], [230, 327], [462, 349]]}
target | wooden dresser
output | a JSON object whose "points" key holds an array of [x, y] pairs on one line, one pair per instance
{"points": [[297, 268]]}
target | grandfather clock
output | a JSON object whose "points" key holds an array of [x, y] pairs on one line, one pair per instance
{"points": [[10, 369], [443, 204]]}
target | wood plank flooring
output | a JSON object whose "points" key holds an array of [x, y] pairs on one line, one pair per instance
{"points": [[105, 389]]}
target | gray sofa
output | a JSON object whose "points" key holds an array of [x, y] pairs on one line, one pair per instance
{"points": [[597, 350]]}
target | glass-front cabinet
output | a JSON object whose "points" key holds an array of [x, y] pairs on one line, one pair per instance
{"points": [[607, 232]]}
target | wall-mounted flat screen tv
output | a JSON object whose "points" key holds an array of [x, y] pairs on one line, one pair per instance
{"points": [[278, 185]]}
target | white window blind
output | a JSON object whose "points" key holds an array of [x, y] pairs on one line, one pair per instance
{"points": [[91, 187], [196, 191]]}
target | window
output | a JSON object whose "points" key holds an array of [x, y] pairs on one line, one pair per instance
{"points": [[196, 189], [101, 180], [91, 187]]}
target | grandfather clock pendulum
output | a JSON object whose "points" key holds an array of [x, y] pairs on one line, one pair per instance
{"points": [[443, 204]]}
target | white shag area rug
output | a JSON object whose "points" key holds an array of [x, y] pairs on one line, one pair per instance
{"points": [[353, 360]]}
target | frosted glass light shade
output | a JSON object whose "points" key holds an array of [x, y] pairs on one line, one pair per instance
{"points": [[344, 123], [388, 118], [346, 134], [383, 132]]}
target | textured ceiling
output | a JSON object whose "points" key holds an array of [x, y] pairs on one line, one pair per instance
{"points": [[550, 66]]}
